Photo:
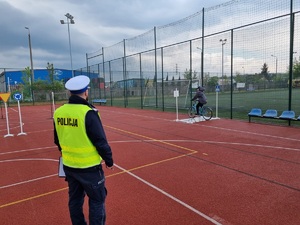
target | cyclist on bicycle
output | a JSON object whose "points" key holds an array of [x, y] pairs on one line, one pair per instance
{"points": [[200, 97]]}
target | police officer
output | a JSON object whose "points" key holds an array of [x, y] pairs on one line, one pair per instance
{"points": [[79, 135]]}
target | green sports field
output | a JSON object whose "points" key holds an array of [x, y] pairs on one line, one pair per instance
{"points": [[240, 102]]}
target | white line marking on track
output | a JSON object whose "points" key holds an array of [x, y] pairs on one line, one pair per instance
{"points": [[27, 150], [29, 159], [212, 142], [170, 196], [12, 109], [237, 143], [252, 133], [253, 145], [27, 181], [214, 127], [139, 141]]}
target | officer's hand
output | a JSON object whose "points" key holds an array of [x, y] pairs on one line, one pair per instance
{"points": [[110, 167]]}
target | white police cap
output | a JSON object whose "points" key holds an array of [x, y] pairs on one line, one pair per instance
{"points": [[78, 84]]}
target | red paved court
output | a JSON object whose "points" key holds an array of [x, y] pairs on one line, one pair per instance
{"points": [[216, 172]]}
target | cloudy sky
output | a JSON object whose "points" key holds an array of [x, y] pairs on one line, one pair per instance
{"points": [[98, 23]]}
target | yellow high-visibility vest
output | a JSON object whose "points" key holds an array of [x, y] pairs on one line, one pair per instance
{"points": [[77, 149]]}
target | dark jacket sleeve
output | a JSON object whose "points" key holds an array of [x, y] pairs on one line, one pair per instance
{"points": [[96, 134], [196, 96], [56, 141]]}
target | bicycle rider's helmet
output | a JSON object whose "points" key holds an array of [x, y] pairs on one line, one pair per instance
{"points": [[201, 88]]}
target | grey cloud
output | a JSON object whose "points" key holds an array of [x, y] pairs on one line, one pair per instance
{"points": [[98, 23]]}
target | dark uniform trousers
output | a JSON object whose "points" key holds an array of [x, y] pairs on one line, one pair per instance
{"points": [[90, 181]]}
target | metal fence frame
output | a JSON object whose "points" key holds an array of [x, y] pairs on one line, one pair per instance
{"points": [[124, 61]]}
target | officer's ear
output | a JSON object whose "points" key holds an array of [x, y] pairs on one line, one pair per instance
{"points": [[86, 93]]}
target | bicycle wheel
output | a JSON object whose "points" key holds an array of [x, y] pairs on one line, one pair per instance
{"points": [[207, 113], [191, 112]]}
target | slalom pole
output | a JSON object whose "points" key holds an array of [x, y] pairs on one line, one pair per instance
{"points": [[7, 123], [176, 95], [1, 111], [217, 100], [53, 103], [217, 103], [20, 118]]}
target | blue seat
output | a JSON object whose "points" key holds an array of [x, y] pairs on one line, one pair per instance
{"points": [[100, 101], [270, 113], [255, 112], [287, 115]]}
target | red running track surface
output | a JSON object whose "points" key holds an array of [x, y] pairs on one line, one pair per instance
{"points": [[167, 172]]}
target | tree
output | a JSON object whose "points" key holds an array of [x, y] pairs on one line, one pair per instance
{"points": [[50, 69], [212, 81], [264, 72], [147, 82], [54, 85], [155, 79], [27, 86], [296, 68], [240, 78], [188, 75]]}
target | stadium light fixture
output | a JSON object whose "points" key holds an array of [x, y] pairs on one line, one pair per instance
{"points": [[70, 20]]}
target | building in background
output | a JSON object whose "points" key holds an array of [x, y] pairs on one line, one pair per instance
{"points": [[10, 79]]}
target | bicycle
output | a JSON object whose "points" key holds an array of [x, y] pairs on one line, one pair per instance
{"points": [[204, 111]]}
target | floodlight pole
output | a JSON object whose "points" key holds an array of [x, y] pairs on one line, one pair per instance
{"points": [[200, 66], [276, 63], [223, 42], [31, 64], [68, 22]]}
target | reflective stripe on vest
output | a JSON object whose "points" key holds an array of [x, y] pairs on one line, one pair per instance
{"points": [[77, 149]]}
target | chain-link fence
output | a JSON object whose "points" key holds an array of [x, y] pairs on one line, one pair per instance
{"points": [[247, 48]]}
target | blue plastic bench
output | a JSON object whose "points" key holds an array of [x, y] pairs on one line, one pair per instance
{"points": [[270, 113], [100, 101], [289, 115], [255, 112]]}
